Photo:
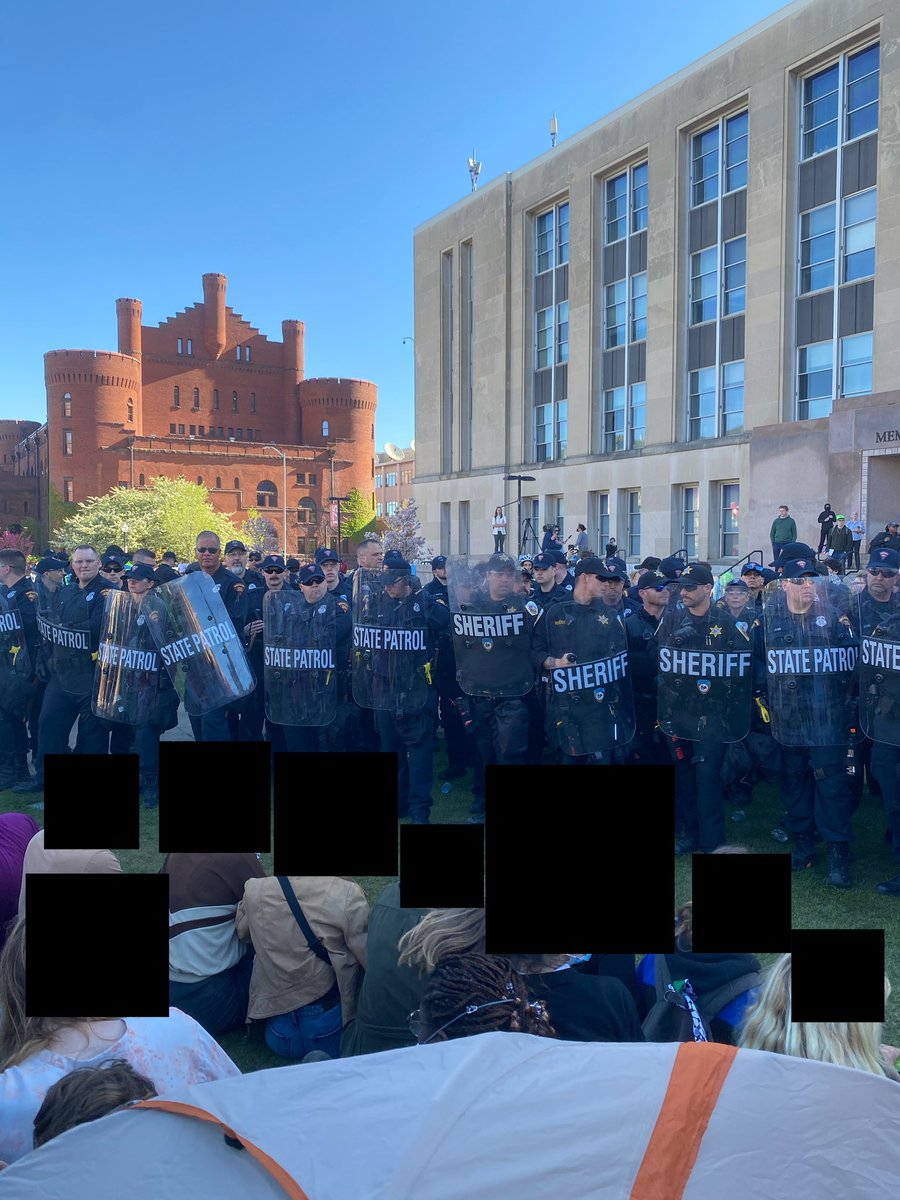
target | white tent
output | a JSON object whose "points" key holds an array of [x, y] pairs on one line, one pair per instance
{"points": [[500, 1115]]}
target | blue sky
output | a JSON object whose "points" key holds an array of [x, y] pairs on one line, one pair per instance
{"points": [[291, 146]]}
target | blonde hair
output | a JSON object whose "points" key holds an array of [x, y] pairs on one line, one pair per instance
{"points": [[440, 933], [22, 1036], [768, 1026]]}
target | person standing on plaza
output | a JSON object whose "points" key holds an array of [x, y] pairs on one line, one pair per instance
{"points": [[783, 531], [857, 529], [840, 540], [498, 528], [826, 519]]}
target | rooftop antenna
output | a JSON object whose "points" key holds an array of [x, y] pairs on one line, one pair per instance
{"points": [[554, 129], [474, 170]]}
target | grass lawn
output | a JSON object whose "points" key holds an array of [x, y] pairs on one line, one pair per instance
{"points": [[815, 906]]}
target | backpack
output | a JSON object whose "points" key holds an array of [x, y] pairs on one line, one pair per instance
{"points": [[670, 1018]]}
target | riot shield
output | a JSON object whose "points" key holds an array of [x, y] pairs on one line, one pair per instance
{"points": [[16, 667], [589, 701], [492, 623], [198, 644], [812, 651], [68, 641], [126, 682], [299, 659], [879, 665], [390, 646], [705, 683]]}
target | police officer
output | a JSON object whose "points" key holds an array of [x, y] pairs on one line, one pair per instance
{"points": [[546, 589], [161, 710], [334, 610], [562, 575], [449, 691], [213, 726], [879, 616], [237, 563], [809, 697], [409, 731], [336, 582], [20, 599], [80, 608], [643, 656], [112, 570], [252, 709]]}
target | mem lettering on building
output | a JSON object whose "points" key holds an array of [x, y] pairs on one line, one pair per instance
{"points": [[207, 396], [682, 316]]}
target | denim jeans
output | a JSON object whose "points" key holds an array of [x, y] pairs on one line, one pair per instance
{"points": [[311, 1027]]}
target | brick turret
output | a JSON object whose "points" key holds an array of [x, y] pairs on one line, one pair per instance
{"points": [[214, 329]]}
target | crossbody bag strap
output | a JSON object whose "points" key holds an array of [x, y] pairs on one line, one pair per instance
{"points": [[314, 944]]}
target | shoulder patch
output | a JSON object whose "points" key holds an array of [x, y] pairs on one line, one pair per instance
{"points": [[238, 589], [32, 596], [343, 605]]}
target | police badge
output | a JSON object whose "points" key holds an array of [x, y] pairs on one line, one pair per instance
{"points": [[531, 608], [821, 622], [599, 693], [488, 644], [703, 686], [416, 607]]}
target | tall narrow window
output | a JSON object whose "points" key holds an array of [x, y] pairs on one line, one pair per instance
{"points": [[141, 480], [196, 399], [253, 402], [181, 345], [176, 396], [130, 410], [689, 520], [234, 402], [215, 400], [717, 287], [190, 346], [837, 231], [69, 491], [614, 421], [246, 353], [550, 339], [67, 404], [67, 443], [325, 429], [237, 352], [633, 528], [731, 495]]}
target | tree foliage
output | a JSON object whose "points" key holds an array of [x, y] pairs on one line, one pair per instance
{"points": [[259, 533], [167, 515], [16, 541], [403, 531], [357, 514]]}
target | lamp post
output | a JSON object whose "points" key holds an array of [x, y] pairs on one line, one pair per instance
{"points": [[283, 494], [520, 479], [339, 500]]}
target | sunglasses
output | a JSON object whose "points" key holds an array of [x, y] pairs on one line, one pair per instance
{"points": [[803, 579], [879, 573], [273, 571], [689, 587], [312, 582], [114, 570], [415, 1021], [208, 550]]}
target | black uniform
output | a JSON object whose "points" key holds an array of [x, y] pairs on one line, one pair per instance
{"points": [[449, 691], [214, 726]]}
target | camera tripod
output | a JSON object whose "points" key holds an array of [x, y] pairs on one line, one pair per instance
{"points": [[528, 532]]}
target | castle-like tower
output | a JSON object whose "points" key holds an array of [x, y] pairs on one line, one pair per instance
{"points": [[205, 395]]}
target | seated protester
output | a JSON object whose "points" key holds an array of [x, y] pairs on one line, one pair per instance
{"points": [[209, 968], [39, 860], [16, 831], [388, 990], [476, 993], [309, 933], [768, 1026], [582, 1008], [35, 1052], [708, 973], [87, 1094]]}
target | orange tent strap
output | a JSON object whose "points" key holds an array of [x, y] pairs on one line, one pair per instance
{"points": [[698, 1073], [276, 1170]]}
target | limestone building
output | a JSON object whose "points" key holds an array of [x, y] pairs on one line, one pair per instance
{"points": [[684, 315]]}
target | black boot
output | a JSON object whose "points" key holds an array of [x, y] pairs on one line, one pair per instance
{"points": [[804, 853], [838, 864], [7, 771], [150, 791], [34, 784]]}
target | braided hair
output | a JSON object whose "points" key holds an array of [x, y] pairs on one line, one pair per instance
{"points": [[478, 979]]}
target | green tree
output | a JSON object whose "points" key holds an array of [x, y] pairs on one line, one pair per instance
{"points": [[167, 515], [357, 515]]}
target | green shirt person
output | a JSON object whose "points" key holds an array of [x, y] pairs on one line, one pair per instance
{"points": [[784, 530]]}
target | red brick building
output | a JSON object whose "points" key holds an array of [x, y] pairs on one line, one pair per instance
{"points": [[205, 395]]}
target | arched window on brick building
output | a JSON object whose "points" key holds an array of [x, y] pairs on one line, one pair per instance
{"points": [[141, 481], [130, 412], [196, 399], [237, 484], [199, 481], [266, 494], [176, 397], [67, 404], [218, 481], [307, 513], [215, 400], [234, 402], [324, 429]]}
